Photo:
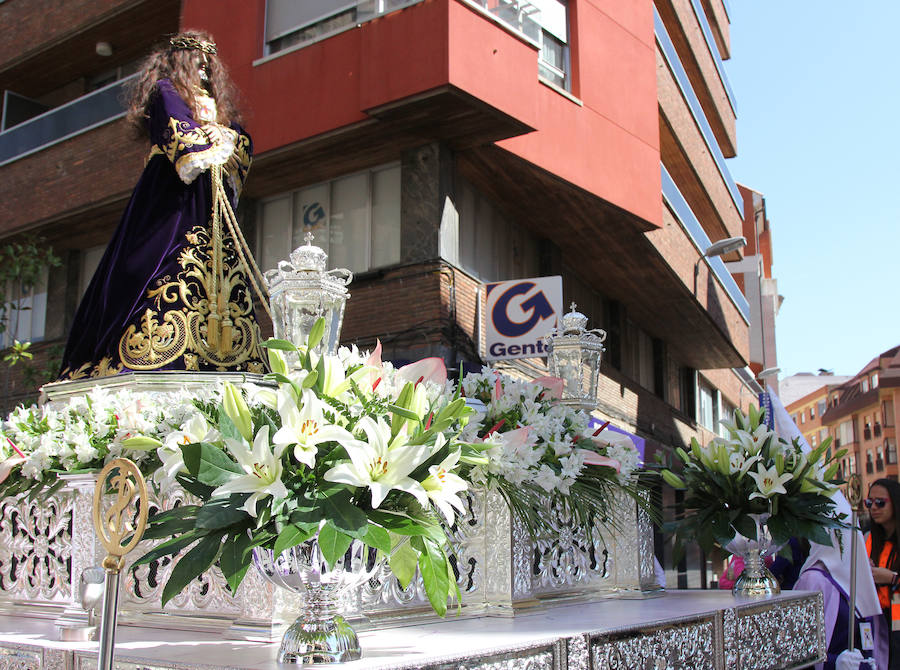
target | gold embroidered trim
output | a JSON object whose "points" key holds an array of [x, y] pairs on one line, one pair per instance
{"points": [[185, 327]]}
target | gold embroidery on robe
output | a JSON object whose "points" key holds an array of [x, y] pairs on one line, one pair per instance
{"points": [[181, 325]]}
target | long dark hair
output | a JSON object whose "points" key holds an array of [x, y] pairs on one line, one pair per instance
{"points": [[179, 66], [879, 536]]}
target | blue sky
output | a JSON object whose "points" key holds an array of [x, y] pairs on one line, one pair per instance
{"points": [[818, 104]]}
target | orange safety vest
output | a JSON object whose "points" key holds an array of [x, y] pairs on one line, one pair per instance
{"points": [[885, 597]]}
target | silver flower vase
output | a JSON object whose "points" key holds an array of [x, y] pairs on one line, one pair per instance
{"points": [[320, 635], [755, 581]]}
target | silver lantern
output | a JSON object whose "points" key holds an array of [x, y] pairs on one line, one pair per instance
{"points": [[302, 290], [573, 354]]}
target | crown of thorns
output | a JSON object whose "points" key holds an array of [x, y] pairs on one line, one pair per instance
{"points": [[184, 42]]}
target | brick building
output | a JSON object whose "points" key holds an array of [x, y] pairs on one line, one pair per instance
{"points": [[860, 416], [431, 146]]}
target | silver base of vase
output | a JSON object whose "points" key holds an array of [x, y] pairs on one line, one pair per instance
{"points": [[319, 643], [762, 585]]}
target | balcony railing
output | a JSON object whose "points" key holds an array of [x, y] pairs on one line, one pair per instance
{"points": [[346, 16], [867, 434], [695, 231], [714, 51], [61, 123], [877, 430], [690, 97]]}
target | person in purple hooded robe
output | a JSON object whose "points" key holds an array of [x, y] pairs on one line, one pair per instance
{"points": [[171, 292]]}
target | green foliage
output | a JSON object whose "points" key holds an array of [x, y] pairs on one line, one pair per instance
{"points": [[22, 264], [753, 472]]}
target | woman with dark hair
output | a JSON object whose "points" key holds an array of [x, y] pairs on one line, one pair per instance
{"points": [[171, 292], [883, 547]]}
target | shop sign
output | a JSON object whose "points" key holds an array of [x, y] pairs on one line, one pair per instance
{"points": [[519, 313]]}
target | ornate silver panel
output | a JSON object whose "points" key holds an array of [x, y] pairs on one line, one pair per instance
{"points": [[785, 634], [36, 549], [30, 657], [681, 646]]}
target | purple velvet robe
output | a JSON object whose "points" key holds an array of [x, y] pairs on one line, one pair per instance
{"points": [[148, 304]]}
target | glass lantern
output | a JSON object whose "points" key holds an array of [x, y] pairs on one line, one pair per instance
{"points": [[301, 291], [573, 354]]}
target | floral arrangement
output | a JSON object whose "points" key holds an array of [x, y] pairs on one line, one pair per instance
{"points": [[334, 447], [342, 449], [38, 444], [538, 447], [755, 472]]}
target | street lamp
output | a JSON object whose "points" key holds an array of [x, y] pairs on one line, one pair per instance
{"points": [[718, 248]]}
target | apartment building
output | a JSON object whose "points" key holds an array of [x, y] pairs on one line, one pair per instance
{"points": [[860, 416]]}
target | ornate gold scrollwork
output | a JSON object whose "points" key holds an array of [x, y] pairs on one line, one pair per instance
{"points": [[114, 525]]}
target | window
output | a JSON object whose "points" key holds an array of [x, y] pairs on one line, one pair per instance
{"points": [[707, 410], [869, 464], [291, 23], [727, 413], [492, 247], [812, 413], [823, 433], [864, 384], [24, 310], [545, 22], [688, 391], [821, 406], [890, 448], [355, 219], [875, 380], [802, 417], [90, 259], [845, 433], [879, 459], [812, 441]]}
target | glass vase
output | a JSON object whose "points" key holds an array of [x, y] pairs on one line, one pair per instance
{"points": [[319, 635], [755, 581]]}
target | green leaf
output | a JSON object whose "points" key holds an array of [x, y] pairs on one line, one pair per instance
{"points": [[432, 565], [235, 560], [377, 537], [310, 380], [172, 546], [404, 525], [333, 543], [405, 413], [291, 536], [222, 512], [168, 528], [209, 464], [403, 563], [282, 345], [194, 487], [315, 334], [345, 516], [192, 565]]}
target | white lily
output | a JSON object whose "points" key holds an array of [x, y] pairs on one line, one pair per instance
{"points": [[769, 482], [263, 471], [442, 485], [195, 429], [304, 426], [753, 442], [739, 463], [380, 463]]}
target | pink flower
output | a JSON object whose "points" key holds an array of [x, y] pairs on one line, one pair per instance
{"points": [[553, 384], [428, 369], [593, 458]]}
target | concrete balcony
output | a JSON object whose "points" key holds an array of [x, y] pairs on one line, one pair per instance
{"points": [[689, 149], [691, 35], [46, 45], [717, 12]]}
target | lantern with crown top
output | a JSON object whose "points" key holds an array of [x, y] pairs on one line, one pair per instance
{"points": [[573, 354], [302, 291]]}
